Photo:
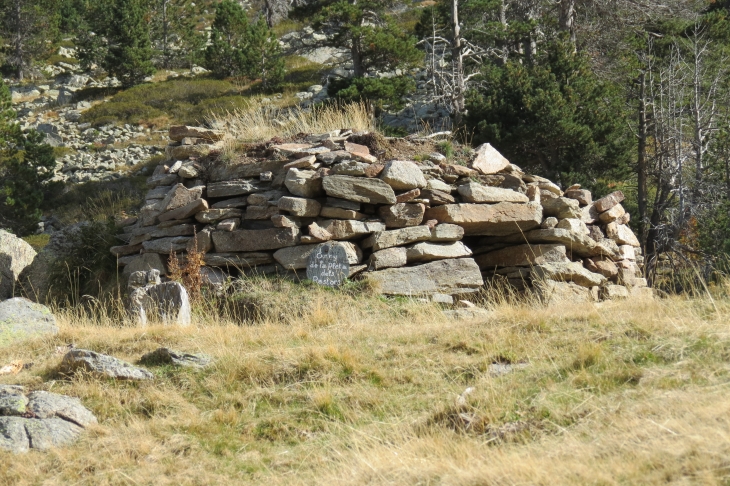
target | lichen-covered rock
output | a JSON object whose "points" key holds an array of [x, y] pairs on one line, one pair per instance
{"points": [[166, 356], [15, 255], [101, 366], [20, 318], [455, 276]]}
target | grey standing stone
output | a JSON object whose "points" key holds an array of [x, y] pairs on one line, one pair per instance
{"points": [[15, 255], [101, 365], [20, 318]]}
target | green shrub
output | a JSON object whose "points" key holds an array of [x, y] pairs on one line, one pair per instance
{"points": [[382, 92], [183, 101]]}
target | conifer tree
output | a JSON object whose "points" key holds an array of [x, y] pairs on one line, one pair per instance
{"points": [[173, 32], [263, 55], [129, 53], [26, 163], [224, 55], [28, 29]]}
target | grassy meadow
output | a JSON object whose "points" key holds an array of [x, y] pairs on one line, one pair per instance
{"points": [[344, 387]]}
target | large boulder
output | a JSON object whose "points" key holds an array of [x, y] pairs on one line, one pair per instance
{"points": [[40, 420], [101, 366], [35, 280], [455, 276], [15, 255], [20, 318]]}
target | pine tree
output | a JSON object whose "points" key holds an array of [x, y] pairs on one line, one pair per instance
{"points": [[224, 55], [553, 116], [173, 32], [129, 55], [28, 28], [263, 55], [26, 163]]}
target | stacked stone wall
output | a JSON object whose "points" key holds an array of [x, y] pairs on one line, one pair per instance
{"points": [[418, 228]]}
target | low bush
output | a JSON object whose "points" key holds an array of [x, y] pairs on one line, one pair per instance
{"points": [[183, 101]]}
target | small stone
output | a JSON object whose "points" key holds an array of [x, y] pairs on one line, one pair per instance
{"points": [[442, 299], [561, 208], [360, 152], [403, 175], [307, 162], [402, 215], [427, 251], [477, 193], [388, 258], [446, 232], [607, 202], [339, 213], [408, 196], [549, 223], [319, 233], [488, 160], [303, 183], [228, 224], [612, 214], [583, 196], [300, 206]]}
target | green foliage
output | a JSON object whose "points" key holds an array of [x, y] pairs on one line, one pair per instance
{"points": [[116, 36], [188, 101], [240, 48], [224, 55], [28, 32], [381, 92], [129, 57], [86, 267], [553, 116], [26, 163], [174, 34], [374, 39], [263, 56]]}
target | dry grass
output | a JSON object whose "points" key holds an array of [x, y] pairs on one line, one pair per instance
{"points": [[359, 390], [258, 122]]}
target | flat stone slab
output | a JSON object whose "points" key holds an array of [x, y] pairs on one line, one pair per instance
{"points": [[101, 365], [47, 420], [20, 318], [166, 356], [255, 240], [359, 189], [489, 219], [455, 276]]}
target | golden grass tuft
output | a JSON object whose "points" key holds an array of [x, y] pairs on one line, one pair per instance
{"points": [[257, 122], [355, 389]]}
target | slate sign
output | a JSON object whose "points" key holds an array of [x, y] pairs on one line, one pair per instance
{"points": [[328, 265]]}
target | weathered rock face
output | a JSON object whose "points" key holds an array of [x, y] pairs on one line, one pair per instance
{"points": [[20, 319], [488, 160], [57, 420], [402, 214], [478, 193], [456, 276], [371, 191], [255, 240], [101, 366], [403, 175], [169, 357], [489, 219], [15, 256], [523, 256]]}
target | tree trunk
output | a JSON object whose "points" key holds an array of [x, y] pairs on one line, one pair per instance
{"points": [[567, 19], [357, 67], [641, 159], [458, 64], [165, 60]]}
